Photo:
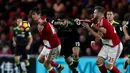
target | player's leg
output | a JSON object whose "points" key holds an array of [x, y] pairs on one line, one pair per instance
{"points": [[26, 58], [101, 58], [67, 52], [126, 63], [75, 56], [18, 56], [69, 61], [113, 55], [127, 52], [56, 52], [42, 58], [49, 67]]}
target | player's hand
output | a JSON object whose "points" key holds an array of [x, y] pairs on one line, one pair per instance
{"points": [[103, 30], [28, 47], [14, 44], [84, 24], [127, 37], [77, 21]]}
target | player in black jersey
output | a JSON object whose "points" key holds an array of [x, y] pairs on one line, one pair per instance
{"points": [[126, 30], [67, 32], [22, 41]]}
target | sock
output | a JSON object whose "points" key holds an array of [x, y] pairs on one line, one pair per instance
{"points": [[28, 64], [54, 64], [72, 67], [19, 66], [75, 62], [115, 70], [52, 70], [102, 68]]}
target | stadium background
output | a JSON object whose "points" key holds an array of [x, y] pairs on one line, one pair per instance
{"points": [[83, 9]]}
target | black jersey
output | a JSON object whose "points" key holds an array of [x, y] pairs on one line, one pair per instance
{"points": [[118, 28], [21, 37], [68, 31]]}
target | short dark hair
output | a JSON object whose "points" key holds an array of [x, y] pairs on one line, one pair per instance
{"points": [[100, 9], [63, 16], [110, 11], [36, 10]]}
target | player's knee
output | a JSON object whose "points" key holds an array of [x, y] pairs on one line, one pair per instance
{"points": [[76, 56], [68, 59], [17, 58], [76, 49], [109, 66], [41, 59], [100, 61], [128, 61]]}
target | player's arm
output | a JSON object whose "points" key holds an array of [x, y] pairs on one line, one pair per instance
{"points": [[96, 35], [99, 29], [14, 37], [14, 41], [30, 39], [125, 23]]}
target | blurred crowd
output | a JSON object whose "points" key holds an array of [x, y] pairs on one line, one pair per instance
{"points": [[83, 9]]}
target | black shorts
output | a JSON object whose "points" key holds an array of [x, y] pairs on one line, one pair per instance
{"points": [[67, 45], [20, 50]]}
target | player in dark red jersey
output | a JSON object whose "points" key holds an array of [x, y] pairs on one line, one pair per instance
{"points": [[110, 17], [52, 44], [112, 47]]}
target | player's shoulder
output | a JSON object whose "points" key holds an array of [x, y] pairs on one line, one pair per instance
{"points": [[16, 28], [115, 22], [48, 25], [106, 22]]}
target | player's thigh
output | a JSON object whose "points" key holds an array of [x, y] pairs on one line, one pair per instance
{"points": [[76, 47], [18, 50], [100, 60], [114, 53], [103, 52], [102, 55], [54, 53], [66, 48], [17, 58], [24, 53], [44, 54]]}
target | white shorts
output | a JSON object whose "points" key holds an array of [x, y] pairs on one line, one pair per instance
{"points": [[111, 53], [51, 53]]}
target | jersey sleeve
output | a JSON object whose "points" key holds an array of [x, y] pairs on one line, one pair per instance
{"points": [[15, 32], [29, 34], [50, 30]]}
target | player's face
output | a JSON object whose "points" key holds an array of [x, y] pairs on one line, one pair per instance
{"points": [[110, 16], [18, 21], [95, 14], [64, 21], [35, 16]]}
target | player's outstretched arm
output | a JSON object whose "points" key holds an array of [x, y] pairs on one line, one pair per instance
{"points": [[125, 30], [96, 35]]}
